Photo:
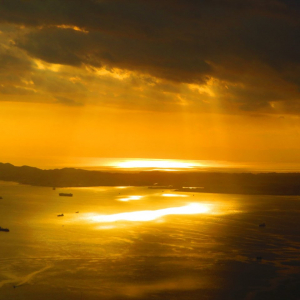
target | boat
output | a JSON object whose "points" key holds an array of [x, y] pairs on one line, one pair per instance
{"points": [[262, 225], [4, 229], [77, 212], [1, 197], [61, 215], [66, 194], [53, 188]]}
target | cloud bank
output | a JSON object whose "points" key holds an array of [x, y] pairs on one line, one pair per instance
{"points": [[237, 55]]}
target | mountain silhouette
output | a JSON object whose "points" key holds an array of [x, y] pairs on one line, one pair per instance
{"points": [[205, 182]]}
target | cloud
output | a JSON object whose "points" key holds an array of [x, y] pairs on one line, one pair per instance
{"points": [[15, 90], [13, 66], [67, 101], [167, 60], [249, 47]]}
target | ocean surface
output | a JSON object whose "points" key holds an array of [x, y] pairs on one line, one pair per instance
{"points": [[140, 243]]}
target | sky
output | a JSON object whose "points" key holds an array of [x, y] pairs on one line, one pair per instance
{"points": [[211, 80]]}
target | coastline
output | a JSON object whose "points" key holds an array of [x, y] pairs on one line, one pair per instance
{"points": [[196, 182]]}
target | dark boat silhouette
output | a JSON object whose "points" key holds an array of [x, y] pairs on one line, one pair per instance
{"points": [[66, 194], [61, 215], [4, 229], [262, 225]]}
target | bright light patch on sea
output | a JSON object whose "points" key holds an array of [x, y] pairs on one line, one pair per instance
{"points": [[150, 215], [129, 198]]}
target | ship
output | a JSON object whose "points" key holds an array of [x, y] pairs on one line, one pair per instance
{"points": [[66, 194], [61, 215], [4, 229]]}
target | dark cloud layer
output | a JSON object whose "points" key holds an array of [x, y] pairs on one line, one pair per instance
{"points": [[186, 41], [67, 101]]}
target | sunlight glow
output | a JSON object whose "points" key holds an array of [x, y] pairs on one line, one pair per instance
{"points": [[76, 28], [41, 65], [203, 89], [156, 163], [131, 198], [131, 164], [149, 215], [114, 73]]}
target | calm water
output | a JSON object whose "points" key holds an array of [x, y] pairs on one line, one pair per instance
{"points": [[135, 243]]}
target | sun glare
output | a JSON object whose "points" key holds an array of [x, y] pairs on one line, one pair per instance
{"points": [[156, 163], [150, 215]]}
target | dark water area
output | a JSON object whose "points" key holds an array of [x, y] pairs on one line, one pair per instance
{"points": [[138, 243]]}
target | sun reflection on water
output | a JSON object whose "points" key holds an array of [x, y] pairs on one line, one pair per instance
{"points": [[129, 198], [150, 215]]}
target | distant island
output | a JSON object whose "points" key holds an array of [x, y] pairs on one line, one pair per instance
{"points": [[204, 182]]}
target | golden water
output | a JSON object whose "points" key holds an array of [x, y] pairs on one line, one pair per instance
{"points": [[140, 243]]}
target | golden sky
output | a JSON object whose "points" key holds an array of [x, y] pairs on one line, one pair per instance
{"points": [[194, 80]]}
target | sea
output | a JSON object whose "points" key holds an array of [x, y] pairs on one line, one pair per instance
{"points": [[140, 243]]}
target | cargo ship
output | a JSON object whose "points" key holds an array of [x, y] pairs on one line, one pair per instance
{"points": [[66, 194]]}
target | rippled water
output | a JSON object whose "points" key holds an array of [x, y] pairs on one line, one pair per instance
{"points": [[139, 243]]}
